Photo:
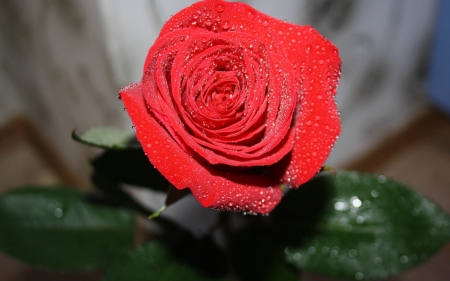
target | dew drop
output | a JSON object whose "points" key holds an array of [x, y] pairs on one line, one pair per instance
{"points": [[404, 259], [287, 251], [250, 15], [356, 202], [375, 193], [311, 250], [359, 276], [297, 256], [58, 213], [220, 8], [334, 254], [226, 25], [308, 50], [360, 220], [381, 179], [51, 207], [340, 206]]}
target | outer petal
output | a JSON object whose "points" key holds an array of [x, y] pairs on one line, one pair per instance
{"points": [[316, 63], [317, 123], [247, 192]]}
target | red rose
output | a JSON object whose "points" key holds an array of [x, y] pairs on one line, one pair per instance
{"points": [[234, 104]]}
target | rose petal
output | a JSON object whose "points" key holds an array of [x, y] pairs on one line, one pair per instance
{"points": [[165, 98], [224, 190], [317, 123], [306, 49], [315, 126]]}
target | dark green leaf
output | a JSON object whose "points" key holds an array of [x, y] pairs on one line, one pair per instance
{"points": [[359, 226], [256, 255], [58, 228], [105, 137], [157, 262], [130, 166]]}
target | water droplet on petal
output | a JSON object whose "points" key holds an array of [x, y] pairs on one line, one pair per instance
{"points": [[220, 8], [226, 25]]}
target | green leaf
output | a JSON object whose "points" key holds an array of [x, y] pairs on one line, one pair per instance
{"points": [[130, 166], [58, 228], [156, 261], [105, 137], [256, 255], [359, 226]]}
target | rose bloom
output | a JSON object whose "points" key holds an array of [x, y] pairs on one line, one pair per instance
{"points": [[236, 105]]}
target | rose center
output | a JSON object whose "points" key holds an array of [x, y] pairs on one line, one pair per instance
{"points": [[222, 98]]}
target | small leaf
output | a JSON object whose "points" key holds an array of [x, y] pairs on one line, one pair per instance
{"points": [[130, 166], [105, 137], [359, 226], [155, 261], [58, 228]]}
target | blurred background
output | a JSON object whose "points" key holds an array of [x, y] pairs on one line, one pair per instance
{"points": [[63, 62]]}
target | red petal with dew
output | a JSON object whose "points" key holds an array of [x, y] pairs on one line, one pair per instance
{"points": [[214, 188], [317, 66]]}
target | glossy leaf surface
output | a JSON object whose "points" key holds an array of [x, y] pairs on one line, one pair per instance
{"points": [[58, 228], [359, 226]]}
